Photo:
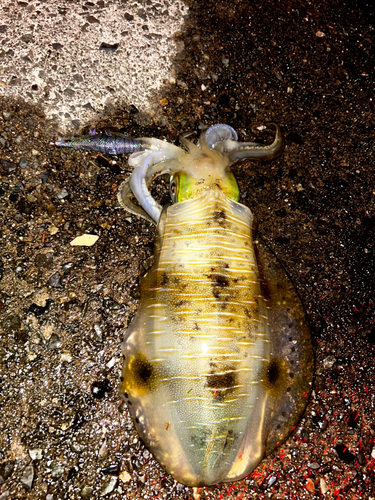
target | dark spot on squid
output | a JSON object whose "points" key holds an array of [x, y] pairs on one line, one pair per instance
{"points": [[196, 327], [275, 376], [200, 438], [273, 372], [248, 313], [142, 373], [164, 279], [229, 438], [249, 330], [219, 280], [220, 217], [222, 383], [218, 283]]}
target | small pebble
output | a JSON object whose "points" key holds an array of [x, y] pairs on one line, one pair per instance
{"points": [[310, 485], [54, 342], [66, 356], [43, 176], [54, 280], [323, 486], [36, 454], [125, 476], [86, 491], [314, 465], [98, 331], [28, 477], [57, 470], [272, 480], [111, 363], [86, 240], [6, 470], [103, 452], [62, 194], [23, 162], [329, 361], [11, 323], [8, 166], [108, 487], [67, 267]]}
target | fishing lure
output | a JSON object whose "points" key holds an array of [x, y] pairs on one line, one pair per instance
{"points": [[218, 359], [104, 143]]}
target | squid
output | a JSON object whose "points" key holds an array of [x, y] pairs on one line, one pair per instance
{"points": [[218, 360]]}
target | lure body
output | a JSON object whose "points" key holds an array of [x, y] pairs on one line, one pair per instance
{"points": [[103, 143], [218, 359]]}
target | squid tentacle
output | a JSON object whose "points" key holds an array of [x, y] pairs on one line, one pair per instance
{"points": [[124, 198], [146, 166], [155, 160], [238, 150], [138, 184]]}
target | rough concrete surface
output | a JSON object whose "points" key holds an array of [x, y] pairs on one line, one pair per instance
{"points": [[308, 66], [76, 58]]}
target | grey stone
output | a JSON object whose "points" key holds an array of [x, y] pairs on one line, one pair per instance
{"points": [[28, 477]]}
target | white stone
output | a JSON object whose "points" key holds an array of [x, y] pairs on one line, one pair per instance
{"points": [[86, 240]]}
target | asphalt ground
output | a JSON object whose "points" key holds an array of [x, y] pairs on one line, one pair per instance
{"points": [[309, 66]]}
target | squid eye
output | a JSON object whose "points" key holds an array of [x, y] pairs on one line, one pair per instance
{"points": [[172, 190]]}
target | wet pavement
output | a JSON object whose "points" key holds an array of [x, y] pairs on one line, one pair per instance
{"points": [[64, 432]]}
